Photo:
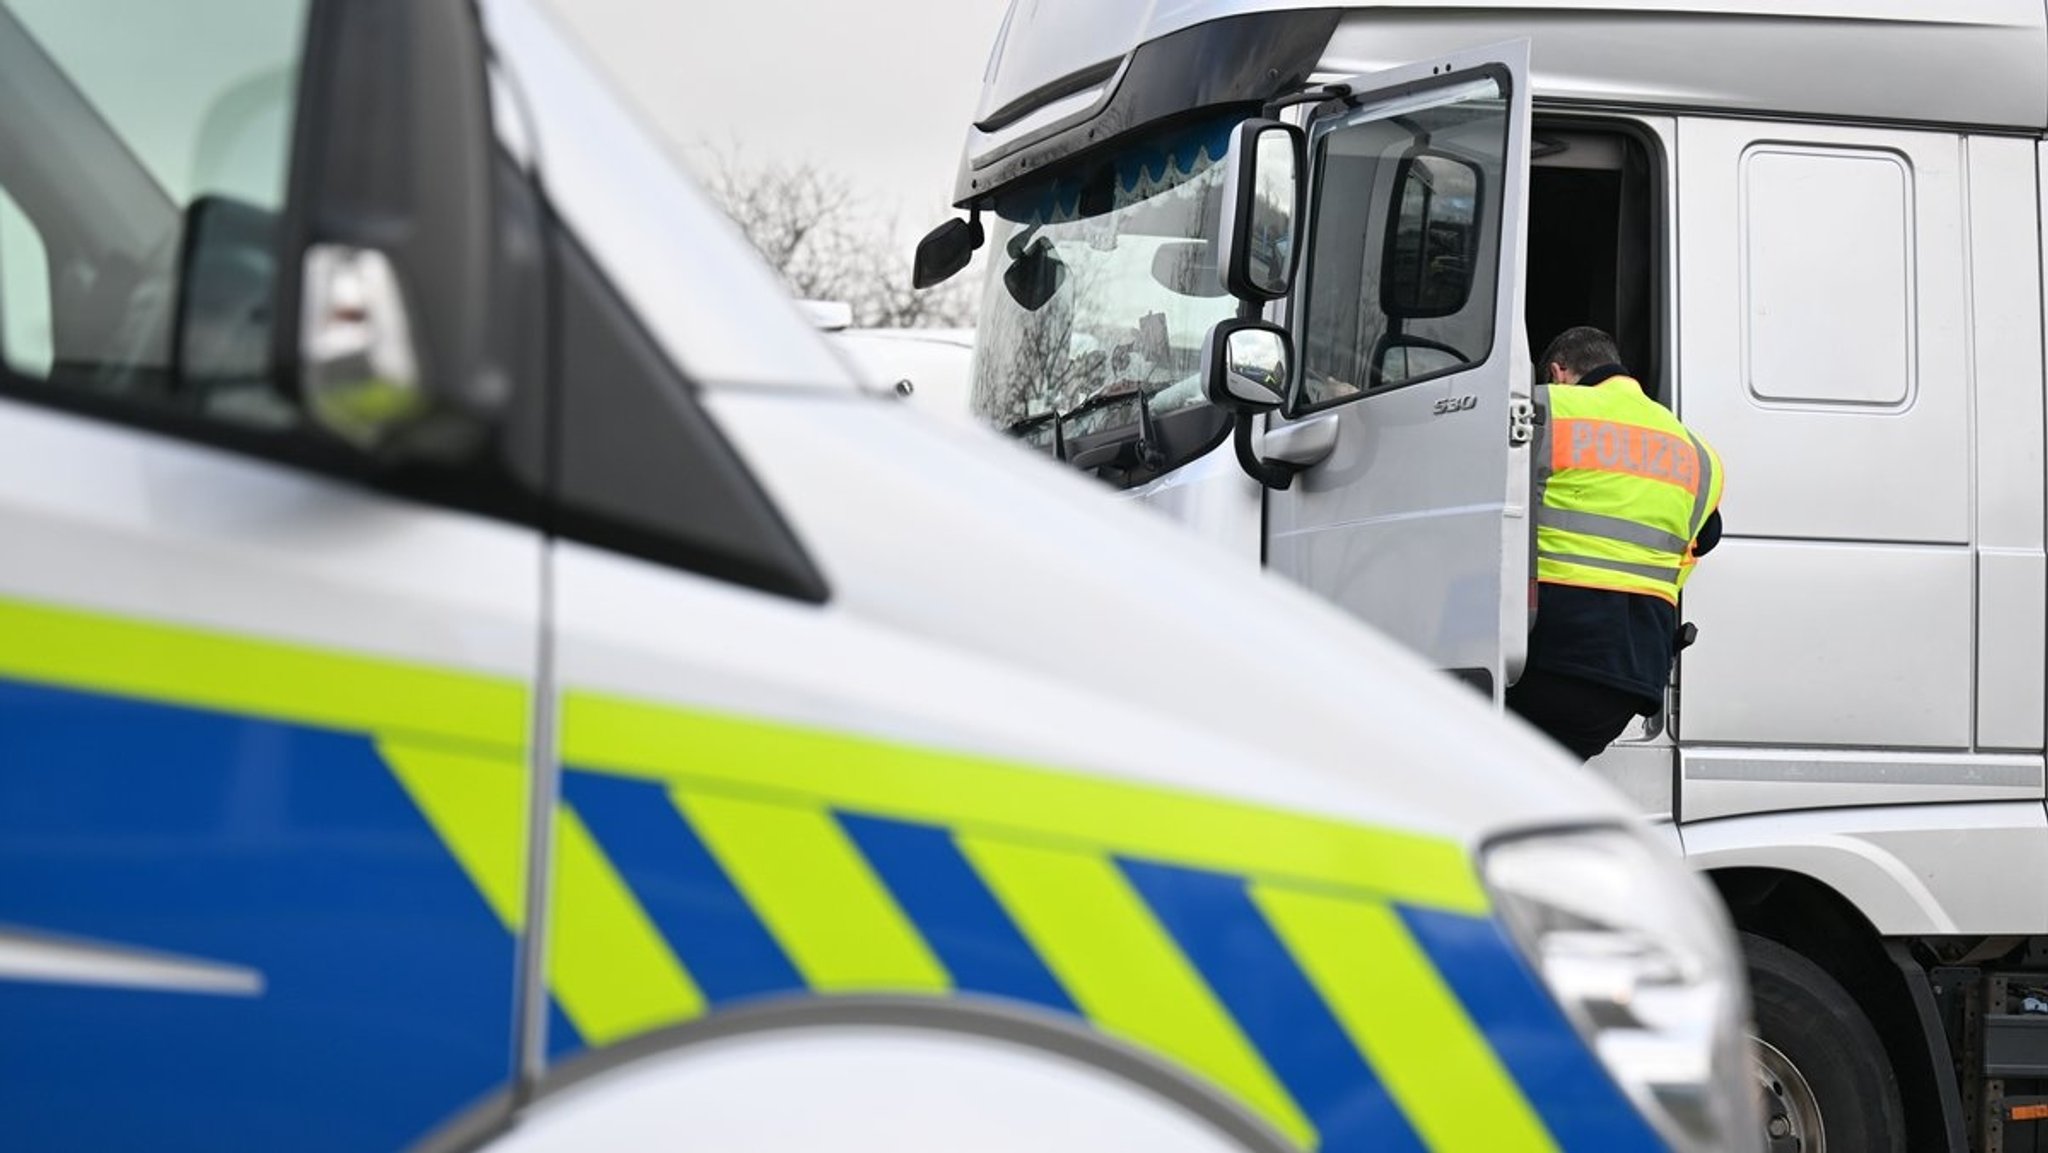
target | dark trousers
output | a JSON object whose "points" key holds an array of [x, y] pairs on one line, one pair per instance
{"points": [[1583, 716]]}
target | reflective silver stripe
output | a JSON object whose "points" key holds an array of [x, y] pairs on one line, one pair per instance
{"points": [[1975, 771], [1706, 490], [55, 961], [1611, 528], [1667, 575]]}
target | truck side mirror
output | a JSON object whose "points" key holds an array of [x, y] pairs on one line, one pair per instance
{"points": [[1246, 365], [944, 251], [1262, 224], [387, 253]]}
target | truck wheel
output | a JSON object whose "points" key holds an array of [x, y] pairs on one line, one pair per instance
{"points": [[1826, 1083]]}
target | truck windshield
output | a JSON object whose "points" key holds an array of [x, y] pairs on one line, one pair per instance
{"points": [[1102, 287]]}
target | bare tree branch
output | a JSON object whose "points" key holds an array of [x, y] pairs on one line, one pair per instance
{"points": [[808, 224]]}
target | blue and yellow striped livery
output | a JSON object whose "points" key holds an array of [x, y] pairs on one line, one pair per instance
{"points": [[1347, 985]]}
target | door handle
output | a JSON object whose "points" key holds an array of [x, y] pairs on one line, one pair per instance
{"points": [[1301, 443]]}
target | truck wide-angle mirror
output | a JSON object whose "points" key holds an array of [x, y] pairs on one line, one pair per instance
{"points": [[1263, 214], [382, 325], [1433, 242], [1246, 365]]}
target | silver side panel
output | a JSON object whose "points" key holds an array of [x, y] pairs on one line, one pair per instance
{"points": [[1813, 643], [2005, 207], [1824, 344], [1910, 869], [1734, 782], [1825, 351], [2010, 629], [2012, 579]]}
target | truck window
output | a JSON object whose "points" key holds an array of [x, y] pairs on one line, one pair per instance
{"points": [[127, 162], [1102, 286], [1403, 245]]}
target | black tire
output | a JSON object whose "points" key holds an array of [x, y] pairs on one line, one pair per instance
{"points": [[1804, 1015]]}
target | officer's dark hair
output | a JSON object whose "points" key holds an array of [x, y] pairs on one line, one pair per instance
{"points": [[1581, 350]]}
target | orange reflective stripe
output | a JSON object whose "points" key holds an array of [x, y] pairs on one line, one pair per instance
{"points": [[1611, 446]]}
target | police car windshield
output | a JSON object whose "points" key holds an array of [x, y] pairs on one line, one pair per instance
{"points": [[155, 134], [1102, 285]]}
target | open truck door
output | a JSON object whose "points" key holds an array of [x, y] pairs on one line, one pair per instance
{"points": [[1407, 319]]}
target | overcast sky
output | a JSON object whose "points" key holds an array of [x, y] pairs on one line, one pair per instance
{"points": [[879, 91]]}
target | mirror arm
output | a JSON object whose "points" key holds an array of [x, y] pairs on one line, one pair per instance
{"points": [[1316, 95], [1274, 476]]}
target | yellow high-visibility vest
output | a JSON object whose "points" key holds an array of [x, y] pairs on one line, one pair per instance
{"points": [[1624, 489]]}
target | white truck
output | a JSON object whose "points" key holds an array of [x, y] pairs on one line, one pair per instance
{"points": [[1815, 227], [477, 671]]}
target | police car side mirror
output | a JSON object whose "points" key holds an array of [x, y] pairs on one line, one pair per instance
{"points": [[227, 270], [385, 290]]}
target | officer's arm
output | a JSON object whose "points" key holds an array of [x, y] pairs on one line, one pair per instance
{"points": [[1710, 535]]}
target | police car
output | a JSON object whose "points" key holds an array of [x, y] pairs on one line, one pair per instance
{"points": [[476, 671]]}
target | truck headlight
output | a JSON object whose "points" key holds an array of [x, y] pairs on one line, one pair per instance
{"points": [[1639, 953]]}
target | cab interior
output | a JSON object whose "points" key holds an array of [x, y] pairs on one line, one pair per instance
{"points": [[1594, 214]]}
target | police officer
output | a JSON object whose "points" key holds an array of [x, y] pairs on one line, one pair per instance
{"points": [[1627, 501]]}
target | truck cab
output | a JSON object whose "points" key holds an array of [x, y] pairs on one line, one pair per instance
{"points": [[1811, 241], [477, 671]]}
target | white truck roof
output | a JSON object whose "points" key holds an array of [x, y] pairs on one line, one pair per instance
{"points": [[1976, 63]]}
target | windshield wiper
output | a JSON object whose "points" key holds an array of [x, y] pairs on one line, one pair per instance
{"points": [[1025, 429], [1127, 447]]}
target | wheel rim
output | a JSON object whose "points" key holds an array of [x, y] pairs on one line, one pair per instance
{"points": [[1791, 1111]]}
